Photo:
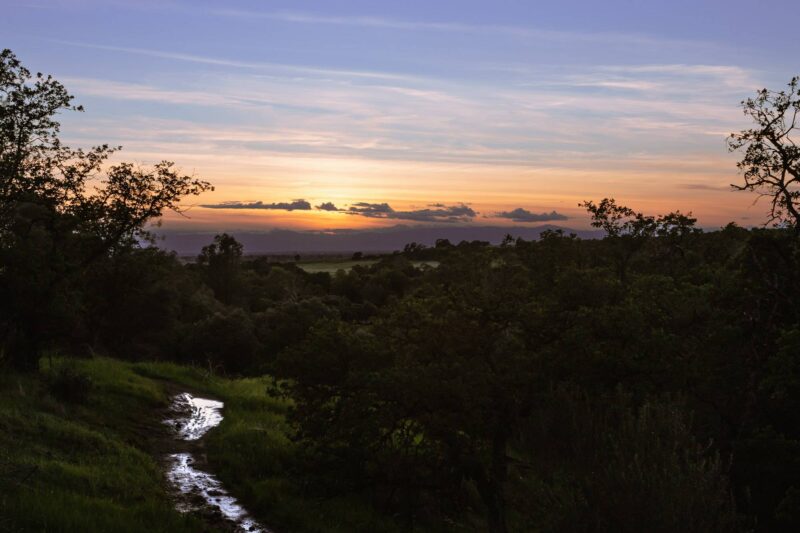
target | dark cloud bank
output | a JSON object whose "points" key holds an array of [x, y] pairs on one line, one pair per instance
{"points": [[349, 240], [523, 215], [436, 212], [328, 206], [294, 205], [432, 213]]}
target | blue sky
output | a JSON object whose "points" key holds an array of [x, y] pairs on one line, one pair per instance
{"points": [[498, 106]]}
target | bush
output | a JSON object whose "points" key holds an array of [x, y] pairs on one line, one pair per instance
{"points": [[69, 384], [619, 464], [224, 341]]}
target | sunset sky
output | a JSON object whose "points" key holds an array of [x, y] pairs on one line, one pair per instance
{"points": [[418, 112]]}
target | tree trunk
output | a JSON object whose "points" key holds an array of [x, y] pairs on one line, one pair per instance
{"points": [[491, 485]]}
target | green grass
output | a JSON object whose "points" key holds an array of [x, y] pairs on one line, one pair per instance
{"points": [[93, 467], [67, 467]]}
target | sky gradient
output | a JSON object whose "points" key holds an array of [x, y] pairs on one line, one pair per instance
{"points": [[312, 115]]}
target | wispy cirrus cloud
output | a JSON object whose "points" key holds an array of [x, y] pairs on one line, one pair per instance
{"points": [[391, 23], [387, 122], [279, 126], [250, 65], [523, 215], [733, 74], [705, 187], [117, 90]]}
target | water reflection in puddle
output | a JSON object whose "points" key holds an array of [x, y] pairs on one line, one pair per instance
{"points": [[191, 419]]}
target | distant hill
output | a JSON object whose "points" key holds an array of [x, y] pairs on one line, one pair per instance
{"points": [[281, 241]]}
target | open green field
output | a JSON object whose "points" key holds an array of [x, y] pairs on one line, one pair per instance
{"points": [[334, 266], [94, 466]]}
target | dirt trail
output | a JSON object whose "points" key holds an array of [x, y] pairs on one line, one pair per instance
{"points": [[178, 443]]}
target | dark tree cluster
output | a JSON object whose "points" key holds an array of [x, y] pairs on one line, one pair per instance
{"points": [[539, 386]]}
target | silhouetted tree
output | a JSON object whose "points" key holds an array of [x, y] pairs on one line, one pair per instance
{"points": [[771, 162], [223, 341], [629, 230], [618, 220], [60, 210], [222, 260]]}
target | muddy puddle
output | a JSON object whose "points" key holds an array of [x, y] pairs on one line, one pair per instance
{"points": [[197, 490]]}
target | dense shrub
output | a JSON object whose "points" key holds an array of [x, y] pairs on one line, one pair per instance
{"points": [[69, 384]]}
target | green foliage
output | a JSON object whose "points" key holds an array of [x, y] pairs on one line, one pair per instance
{"points": [[628, 467], [431, 402], [221, 261], [139, 302], [223, 341]]}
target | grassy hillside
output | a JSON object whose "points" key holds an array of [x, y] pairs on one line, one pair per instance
{"points": [[92, 464], [73, 467]]}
